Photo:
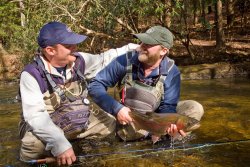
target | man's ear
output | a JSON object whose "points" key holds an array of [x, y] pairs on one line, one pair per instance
{"points": [[164, 51], [50, 50]]}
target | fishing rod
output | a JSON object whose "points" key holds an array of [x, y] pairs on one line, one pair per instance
{"points": [[176, 148]]}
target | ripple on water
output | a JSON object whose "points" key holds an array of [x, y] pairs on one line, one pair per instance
{"points": [[226, 118]]}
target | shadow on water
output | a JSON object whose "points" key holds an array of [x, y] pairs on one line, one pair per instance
{"points": [[226, 119]]}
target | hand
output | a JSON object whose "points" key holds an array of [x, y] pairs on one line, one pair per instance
{"points": [[66, 158], [138, 48], [173, 131], [123, 116], [133, 46]]}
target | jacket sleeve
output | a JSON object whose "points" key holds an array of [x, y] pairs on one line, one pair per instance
{"points": [[106, 78], [171, 92], [95, 63], [36, 116]]}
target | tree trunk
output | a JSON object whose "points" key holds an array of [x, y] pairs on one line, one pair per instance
{"points": [[167, 13], [220, 40], [209, 9], [230, 12], [185, 13], [195, 11], [203, 12]]}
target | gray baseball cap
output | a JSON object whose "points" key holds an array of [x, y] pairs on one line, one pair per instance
{"points": [[157, 35]]}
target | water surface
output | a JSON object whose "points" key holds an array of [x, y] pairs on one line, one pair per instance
{"points": [[226, 121]]}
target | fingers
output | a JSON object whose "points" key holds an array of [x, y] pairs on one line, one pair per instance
{"points": [[182, 133], [123, 116], [59, 162], [173, 131], [66, 158], [65, 161]]}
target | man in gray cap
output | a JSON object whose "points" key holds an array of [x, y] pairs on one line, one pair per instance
{"points": [[149, 81]]}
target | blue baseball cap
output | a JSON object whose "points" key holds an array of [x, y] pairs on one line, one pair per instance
{"points": [[54, 33]]}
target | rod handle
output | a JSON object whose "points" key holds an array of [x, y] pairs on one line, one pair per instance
{"points": [[46, 160]]}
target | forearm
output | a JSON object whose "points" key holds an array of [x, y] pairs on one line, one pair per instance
{"points": [[95, 63], [100, 96], [105, 79]]}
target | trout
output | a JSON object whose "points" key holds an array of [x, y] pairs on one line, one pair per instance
{"points": [[157, 124]]}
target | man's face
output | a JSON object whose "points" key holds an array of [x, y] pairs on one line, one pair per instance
{"points": [[62, 54], [150, 54]]}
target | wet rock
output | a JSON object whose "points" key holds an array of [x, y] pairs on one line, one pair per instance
{"points": [[215, 71]]}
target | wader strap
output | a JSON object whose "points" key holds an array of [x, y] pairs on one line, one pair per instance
{"points": [[162, 78], [160, 83], [55, 88], [128, 76], [79, 73]]}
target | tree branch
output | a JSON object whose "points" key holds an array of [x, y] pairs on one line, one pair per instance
{"points": [[92, 32], [82, 7], [62, 8], [119, 20]]}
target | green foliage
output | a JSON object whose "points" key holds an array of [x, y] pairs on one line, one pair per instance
{"points": [[10, 27], [115, 18]]}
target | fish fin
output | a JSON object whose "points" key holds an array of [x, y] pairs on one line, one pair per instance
{"points": [[135, 126], [155, 138]]}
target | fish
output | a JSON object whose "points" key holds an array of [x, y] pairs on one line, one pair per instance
{"points": [[158, 123]]}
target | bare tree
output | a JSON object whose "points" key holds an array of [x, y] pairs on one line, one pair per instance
{"points": [[166, 17], [203, 11], [220, 39], [21, 13], [230, 12], [195, 11]]}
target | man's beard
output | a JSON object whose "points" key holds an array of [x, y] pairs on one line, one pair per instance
{"points": [[148, 59]]}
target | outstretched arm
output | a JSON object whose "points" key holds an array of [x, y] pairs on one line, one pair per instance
{"points": [[96, 62]]}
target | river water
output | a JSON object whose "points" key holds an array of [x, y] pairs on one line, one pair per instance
{"points": [[222, 140]]}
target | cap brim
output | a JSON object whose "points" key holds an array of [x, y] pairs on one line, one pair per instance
{"points": [[74, 38], [145, 38]]}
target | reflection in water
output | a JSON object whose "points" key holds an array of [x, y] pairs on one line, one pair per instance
{"points": [[226, 118]]}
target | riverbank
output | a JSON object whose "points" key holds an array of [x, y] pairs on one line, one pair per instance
{"points": [[218, 70], [214, 66], [215, 71]]}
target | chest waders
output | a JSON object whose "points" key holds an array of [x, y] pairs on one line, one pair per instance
{"points": [[139, 96], [67, 105]]}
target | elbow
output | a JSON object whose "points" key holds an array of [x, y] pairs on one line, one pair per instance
{"points": [[92, 87], [95, 89], [170, 108]]}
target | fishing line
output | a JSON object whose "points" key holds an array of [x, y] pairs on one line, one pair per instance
{"points": [[150, 151], [157, 150], [176, 148], [180, 148]]}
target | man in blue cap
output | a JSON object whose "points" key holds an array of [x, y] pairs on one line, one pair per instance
{"points": [[53, 91], [150, 82]]}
